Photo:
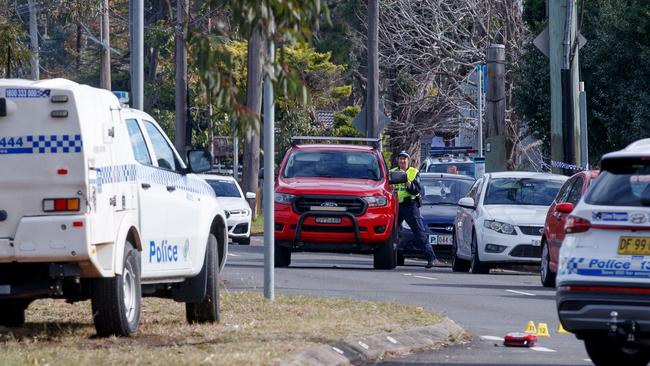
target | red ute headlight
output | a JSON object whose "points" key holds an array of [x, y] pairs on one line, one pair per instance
{"points": [[576, 225]]}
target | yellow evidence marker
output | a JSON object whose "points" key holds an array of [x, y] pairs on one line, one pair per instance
{"points": [[530, 328], [561, 330], [542, 330]]}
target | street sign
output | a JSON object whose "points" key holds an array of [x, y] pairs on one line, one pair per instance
{"points": [[359, 122], [542, 41]]}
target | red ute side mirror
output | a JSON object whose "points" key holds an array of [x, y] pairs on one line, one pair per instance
{"points": [[564, 207]]}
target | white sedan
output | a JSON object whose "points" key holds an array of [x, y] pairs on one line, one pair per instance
{"points": [[233, 201], [501, 220]]}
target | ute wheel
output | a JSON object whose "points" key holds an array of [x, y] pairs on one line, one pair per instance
{"points": [[385, 257], [546, 275], [208, 310], [476, 266], [116, 301], [12, 312], [400, 259], [603, 351], [244, 241], [458, 264], [282, 256]]}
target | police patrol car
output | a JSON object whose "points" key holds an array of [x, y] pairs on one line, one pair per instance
{"points": [[95, 203], [604, 273]]}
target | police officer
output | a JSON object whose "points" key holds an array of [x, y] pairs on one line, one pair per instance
{"points": [[409, 195]]}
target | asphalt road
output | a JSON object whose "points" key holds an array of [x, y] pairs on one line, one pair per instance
{"points": [[488, 306]]}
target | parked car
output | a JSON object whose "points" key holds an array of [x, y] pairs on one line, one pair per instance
{"points": [[440, 195], [501, 220], [98, 205], [233, 201], [603, 280], [570, 193], [336, 198]]}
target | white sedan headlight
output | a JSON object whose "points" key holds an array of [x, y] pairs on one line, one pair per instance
{"points": [[500, 227], [243, 211]]}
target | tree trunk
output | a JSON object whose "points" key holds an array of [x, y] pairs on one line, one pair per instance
{"points": [[251, 163], [105, 73], [78, 46]]}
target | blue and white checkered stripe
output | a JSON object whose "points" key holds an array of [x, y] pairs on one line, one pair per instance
{"points": [[43, 144], [136, 172], [572, 265], [40, 144]]}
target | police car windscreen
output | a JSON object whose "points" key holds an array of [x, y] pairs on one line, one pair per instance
{"points": [[624, 183], [522, 191], [224, 188], [453, 168], [332, 164], [444, 191]]}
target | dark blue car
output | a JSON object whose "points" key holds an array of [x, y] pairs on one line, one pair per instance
{"points": [[440, 196]]}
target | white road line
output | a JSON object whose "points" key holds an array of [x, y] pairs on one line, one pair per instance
{"points": [[337, 350], [407, 274], [391, 339], [364, 345], [521, 293], [542, 349], [491, 338], [587, 359], [233, 255], [425, 277]]}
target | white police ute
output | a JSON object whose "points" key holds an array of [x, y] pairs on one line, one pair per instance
{"points": [[95, 203], [603, 280]]}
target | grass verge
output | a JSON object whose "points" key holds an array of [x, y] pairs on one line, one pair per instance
{"points": [[253, 331], [257, 226]]}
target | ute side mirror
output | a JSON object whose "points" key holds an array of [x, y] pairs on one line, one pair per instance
{"points": [[564, 207], [250, 195], [198, 161], [467, 202], [397, 177]]}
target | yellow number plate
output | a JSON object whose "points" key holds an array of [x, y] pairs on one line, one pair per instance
{"points": [[634, 245]]}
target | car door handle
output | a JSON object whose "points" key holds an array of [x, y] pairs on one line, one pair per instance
{"points": [[171, 188], [146, 185]]}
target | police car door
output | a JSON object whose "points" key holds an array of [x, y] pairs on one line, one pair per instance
{"points": [[180, 209]]}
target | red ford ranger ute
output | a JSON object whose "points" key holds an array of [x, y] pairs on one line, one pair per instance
{"points": [[336, 198]]}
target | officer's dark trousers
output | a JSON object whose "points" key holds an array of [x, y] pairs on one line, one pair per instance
{"points": [[409, 211]]}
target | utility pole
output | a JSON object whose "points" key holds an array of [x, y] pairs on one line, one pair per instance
{"points": [[584, 142], [563, 58], [181, 77], [496, 151], [479, 108], [137, 53], [105, 72], [33, 36], [372, 89], [269, 172]]}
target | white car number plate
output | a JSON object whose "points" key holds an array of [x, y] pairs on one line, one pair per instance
{"points": [[328, 220], [440, 239]]}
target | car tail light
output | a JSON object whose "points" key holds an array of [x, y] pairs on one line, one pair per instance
{"points": [[607, 289], [60, 204], [575, 224]]}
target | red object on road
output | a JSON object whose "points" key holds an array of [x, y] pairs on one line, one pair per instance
{"points": [[520, 340]]}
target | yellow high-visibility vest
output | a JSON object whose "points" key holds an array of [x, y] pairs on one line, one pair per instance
{"points": [[402, 193]]}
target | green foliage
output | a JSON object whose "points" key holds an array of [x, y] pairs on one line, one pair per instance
{"points": [[341, 92], [293, 119], [343, 122], [11, 40], [613, 67]]}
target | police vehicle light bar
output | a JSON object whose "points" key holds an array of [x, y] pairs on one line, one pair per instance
{"points": [[452, 150], [123, 97], [60, 204], [297, 140]]}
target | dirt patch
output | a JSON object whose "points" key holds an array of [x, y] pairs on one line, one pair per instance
{"points": [[253, 331]]}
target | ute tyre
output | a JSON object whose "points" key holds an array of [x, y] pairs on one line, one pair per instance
{"points": [[476, 266], [116, 301], [207, 310], [385, 257], [458, 264], [603, 351], [546, 275], [400, 259], [282, 256], [12, 313]]}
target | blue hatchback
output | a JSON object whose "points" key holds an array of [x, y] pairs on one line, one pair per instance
{"points": [[440, 195]]}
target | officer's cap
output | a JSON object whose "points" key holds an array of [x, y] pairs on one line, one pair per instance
{"points": [[404, 153]]}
